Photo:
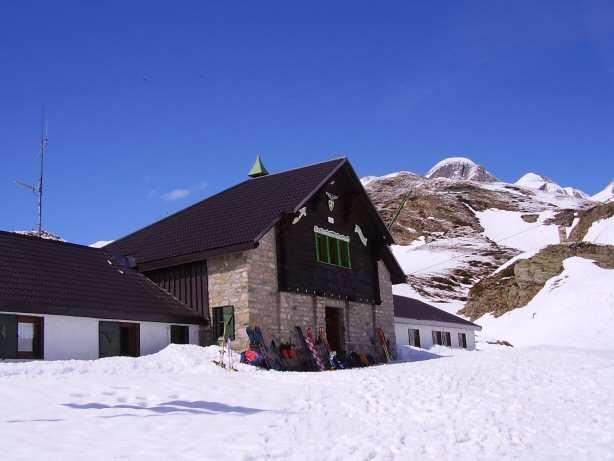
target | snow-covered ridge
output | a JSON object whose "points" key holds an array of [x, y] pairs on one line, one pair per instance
{"points": [[542, 183], [367, 179], [606, 195], [460, 168]]}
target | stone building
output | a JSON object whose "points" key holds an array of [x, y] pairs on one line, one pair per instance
{"points": [[304, 247]]}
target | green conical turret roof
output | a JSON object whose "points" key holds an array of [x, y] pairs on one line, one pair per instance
{"points": [[258, 169]]}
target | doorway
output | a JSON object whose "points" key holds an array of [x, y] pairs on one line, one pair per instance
{"points": [[118, 338], [334, 329]]}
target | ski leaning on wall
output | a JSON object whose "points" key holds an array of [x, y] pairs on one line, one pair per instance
{"points": [[384, 343]]}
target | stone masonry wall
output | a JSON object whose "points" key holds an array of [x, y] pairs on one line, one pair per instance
{"points": [[248, 281], [228, 286], [277, 313]]}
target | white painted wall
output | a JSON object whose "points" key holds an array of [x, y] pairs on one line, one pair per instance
{"points": [[67, 337], [70, 337], [402, 326]]}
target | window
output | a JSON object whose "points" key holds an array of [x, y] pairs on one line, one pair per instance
{"points": [[414, 337], [224, 317], [118, 338], [21, 337], [442, 338], [462, 340], [180, 334], [332, 248]]}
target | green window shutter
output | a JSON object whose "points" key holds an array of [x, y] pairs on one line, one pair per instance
{"points": [[344, 255], [229, 321], [322, 248], [333, 251], [8, 336]]}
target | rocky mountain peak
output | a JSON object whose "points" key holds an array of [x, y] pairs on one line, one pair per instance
{"points": [[460, 168]]}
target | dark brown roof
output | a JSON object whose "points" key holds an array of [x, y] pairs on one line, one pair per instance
{"points": [[51, 277], [237, 216], [233, 219], [411, 308]]}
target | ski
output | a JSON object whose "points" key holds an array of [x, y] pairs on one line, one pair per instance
{"points": [[384, 344]]}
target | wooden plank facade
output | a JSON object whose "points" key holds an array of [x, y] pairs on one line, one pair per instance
{"points": [[188, 283], [298, 267]]}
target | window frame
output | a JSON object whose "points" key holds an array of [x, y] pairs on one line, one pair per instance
{"points": [[38, 341], [462, 340], [332, 243]]}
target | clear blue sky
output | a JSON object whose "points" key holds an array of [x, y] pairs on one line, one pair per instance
{"points": [[148, 102]]}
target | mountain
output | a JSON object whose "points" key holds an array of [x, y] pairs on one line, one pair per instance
{"points": [[545, 184], [539, 182], [577, 193], [606, 195], [502, 254], [460, 168], [451, 233], [44, 234]]}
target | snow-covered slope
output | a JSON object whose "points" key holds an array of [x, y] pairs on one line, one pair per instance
{"points": [[538, 182], [606, 195], [575, 308], [507, 228], [601, 232], [536, 403], [460, 168], [542, 183], [576, 193]]}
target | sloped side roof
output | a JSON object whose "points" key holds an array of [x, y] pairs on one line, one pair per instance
{"points": [[239, 215], [46, 276], [410, 308]]}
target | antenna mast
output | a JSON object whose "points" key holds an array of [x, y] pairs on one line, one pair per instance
{"points": [[40, 179], [38, 188]]}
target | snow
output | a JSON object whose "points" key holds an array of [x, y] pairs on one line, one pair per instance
{"points": [[601, 232], [452, 161], [574, 308], [368, 179], [535, 403], [573, 192], [538, 182], [101, 243], [509, 229], [497, 404], [515, 259], [606, 195]]}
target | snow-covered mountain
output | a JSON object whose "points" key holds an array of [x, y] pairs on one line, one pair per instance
{"points": [[460, 168], [606, 195], [545, 184], [453, 232]]}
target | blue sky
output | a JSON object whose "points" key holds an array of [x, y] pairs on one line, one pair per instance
{"points": [[153, 106]]}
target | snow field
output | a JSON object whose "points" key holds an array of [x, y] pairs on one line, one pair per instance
{"points": [[537, 404], [601, 232], [575, 308], [507, 228]]}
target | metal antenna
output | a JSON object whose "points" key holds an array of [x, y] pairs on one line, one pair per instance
{"points": [[38, 188]]}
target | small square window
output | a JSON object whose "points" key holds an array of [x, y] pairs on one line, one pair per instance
{"points": [[180, 334]]}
